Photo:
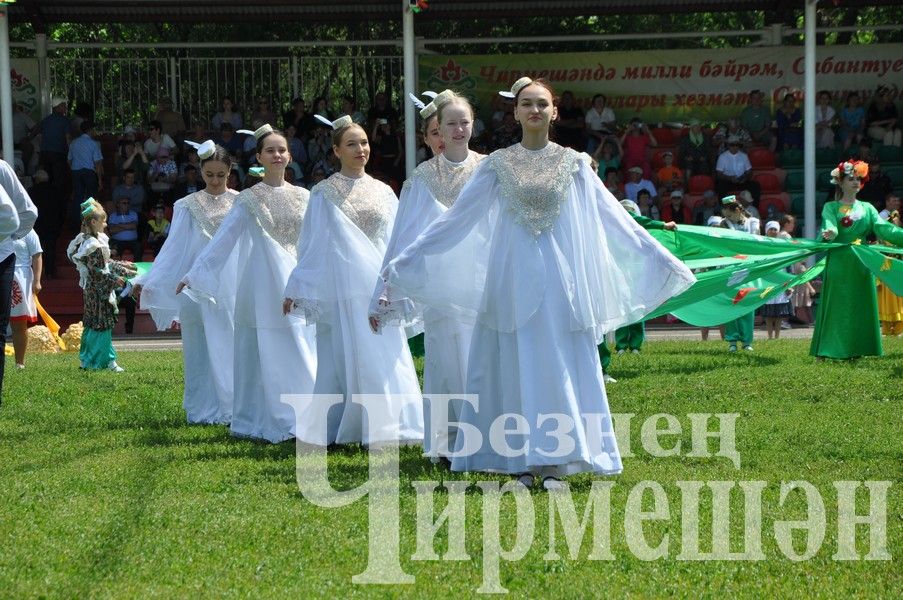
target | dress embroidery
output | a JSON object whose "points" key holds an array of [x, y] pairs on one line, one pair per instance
{"points": [[278, 210], [445, 178], [207, 210], [535, 182], [362, 200]]}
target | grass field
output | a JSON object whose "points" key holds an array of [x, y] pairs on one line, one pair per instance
{"points": [[106, 492]]}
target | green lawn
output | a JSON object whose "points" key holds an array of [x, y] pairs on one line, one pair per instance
{"points": [[106, 492]]}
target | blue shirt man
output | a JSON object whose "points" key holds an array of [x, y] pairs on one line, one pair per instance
{"points": [[84, 153], [123, 216], [54, 128]]}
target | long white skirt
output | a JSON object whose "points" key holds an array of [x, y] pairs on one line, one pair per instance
{"points": [[352, 360], [543, 368], [446, 344], [23, 307], [207, 350]]}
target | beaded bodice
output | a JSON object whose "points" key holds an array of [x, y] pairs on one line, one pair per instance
{"points": [[363, 200], [445, 178], [278, 210], [207, 210]]}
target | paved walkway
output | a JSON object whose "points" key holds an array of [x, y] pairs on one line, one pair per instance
{"points": [[174, 342]]}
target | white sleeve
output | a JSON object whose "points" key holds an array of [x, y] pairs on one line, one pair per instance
{"points": [[204, 276], [26, 211]]}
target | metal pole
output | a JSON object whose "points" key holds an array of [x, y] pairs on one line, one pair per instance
{"points": [[40, 45], [809, 122], [6, 89], [174, 84], [295, 90], [410, 122]]}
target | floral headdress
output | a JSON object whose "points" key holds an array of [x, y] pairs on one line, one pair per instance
{"points": [[851, 168]]}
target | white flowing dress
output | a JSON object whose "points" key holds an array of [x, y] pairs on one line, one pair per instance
{"points": [[22, 304], [545, 261], [207, 329], [432, 188], [340, 252], [273, 354]]}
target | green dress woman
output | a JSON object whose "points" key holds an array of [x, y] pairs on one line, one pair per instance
{"points": [[846, 325]]}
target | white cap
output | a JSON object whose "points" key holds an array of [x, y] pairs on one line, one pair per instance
{"points": [[772, 225], [343, 121], [714, 221], [677, 193], [259, 132], [57, 100], [516, 87]]}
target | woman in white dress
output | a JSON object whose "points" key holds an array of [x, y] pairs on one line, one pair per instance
{"points": [[26, 284], [340, 252], [430, 191], [207, 331], [273, 355], [542, 257]]}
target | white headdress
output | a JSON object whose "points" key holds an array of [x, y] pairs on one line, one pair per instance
{"points": [[438, 100], [259, 132], [516, 87], [343, 121], [205, 150]]}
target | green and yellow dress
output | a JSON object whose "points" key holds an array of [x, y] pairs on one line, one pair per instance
{"points": [[846, 325]]}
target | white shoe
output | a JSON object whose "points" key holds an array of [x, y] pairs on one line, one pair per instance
{"points": [[785, 325], [526, 480], [115, 368], [747, 348], [732, 348], [620, 352], [635, 351], [20, 366], [606, 378]]}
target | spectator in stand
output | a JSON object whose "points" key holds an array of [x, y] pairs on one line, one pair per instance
{"points": [[852, 120], [263, 113], [878, 186], [387, 143], [132, 158], [233, 182], [636, 182], [171, 122], [824, 121], [756, 119], [321, 107], [608, 155], [694, 152], [726, 130], [229, 140], [316, 176], [349, 107], [248, 156], [500, 107], [23, 124], [158, 229], [864, 153], [635, 139], [162, 175], [50, 218], [789, 121], [156, 139], [86, 164], [706, 209], [320, 145], [191, 160], [734, 171], [600, 123], [298, 116], [192, 183], [123, 228], [612, 182], [130, 189], [296, 148], [228, 114], [669, 177], [381, 109], [881, 119], [676, 209], [569, 127], [54, 130], [746, 201], [82, 112], [507, 134], [891, 205], [647, 206]]}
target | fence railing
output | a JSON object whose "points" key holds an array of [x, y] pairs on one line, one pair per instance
{"points": [[126, 91]]}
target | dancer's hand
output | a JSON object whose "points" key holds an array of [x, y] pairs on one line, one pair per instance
{"points": [[671, 226], [828, 234], [287, 305], [182, 285], [374, 324], [136, 290]]}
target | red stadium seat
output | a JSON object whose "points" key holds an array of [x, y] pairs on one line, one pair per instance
{"points": [[778, 201], [769, 182], [701, 183], [664, 136], [761, 158]]}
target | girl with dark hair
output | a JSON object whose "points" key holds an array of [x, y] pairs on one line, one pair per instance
{"points": [[544, 261], [207, 332], [273, 355]]}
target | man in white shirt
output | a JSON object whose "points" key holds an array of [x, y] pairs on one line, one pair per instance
{"points": [[734, 171], [17, 217], [891, 203], [600, 123], [637, 183]]}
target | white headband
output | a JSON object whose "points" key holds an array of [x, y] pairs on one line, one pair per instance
{"points": [[439, 99], [259, 132], [417, 102], [205, 150], [343, 121], [516, 87]]}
